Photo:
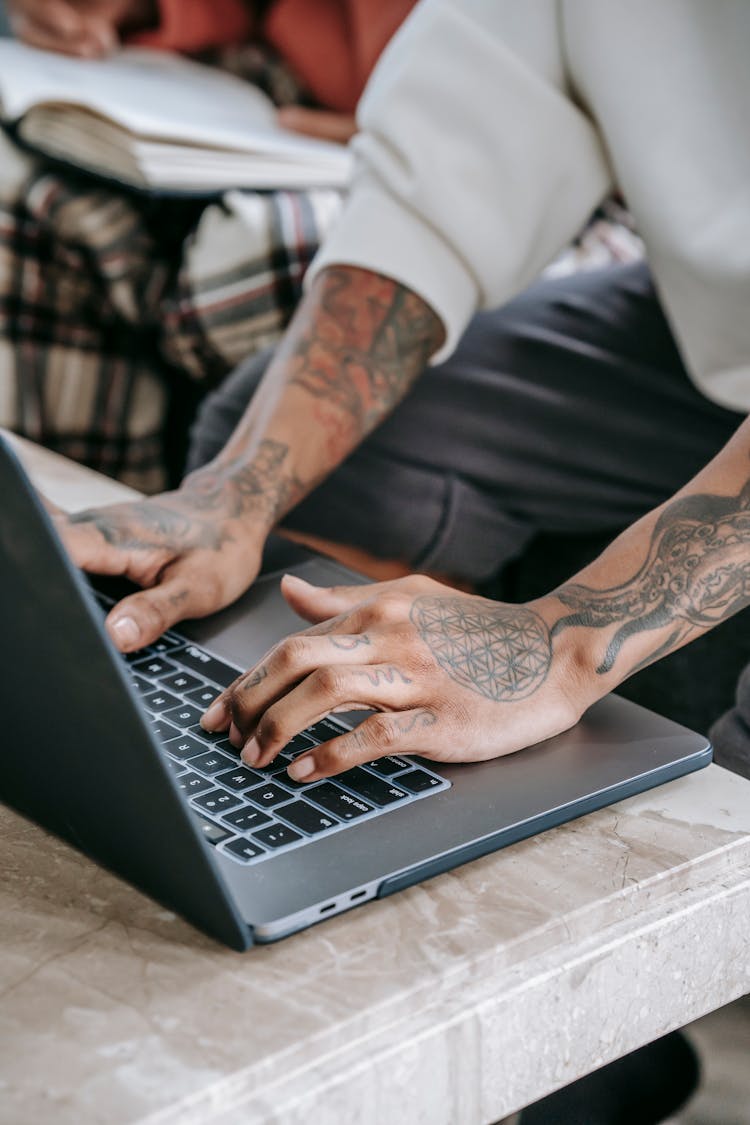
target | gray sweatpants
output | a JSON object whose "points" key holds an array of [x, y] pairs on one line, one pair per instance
{"points": [[568, 410]]}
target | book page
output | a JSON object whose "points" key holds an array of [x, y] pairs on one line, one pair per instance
{"points": [[152, 94]]}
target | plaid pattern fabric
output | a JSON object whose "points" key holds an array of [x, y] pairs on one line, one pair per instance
{"points": [[111, 305]]}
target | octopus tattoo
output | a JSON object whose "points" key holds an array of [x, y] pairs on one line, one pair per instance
{"points": [[696, 574]]}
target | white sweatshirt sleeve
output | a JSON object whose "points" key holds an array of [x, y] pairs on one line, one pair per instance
{"points": [[475, 165]]}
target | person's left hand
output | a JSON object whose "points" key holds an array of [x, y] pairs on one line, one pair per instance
{"points": [[85, 28], [453, 677]]}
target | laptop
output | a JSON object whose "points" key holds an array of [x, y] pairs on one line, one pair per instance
{"points": [[106, 752]]}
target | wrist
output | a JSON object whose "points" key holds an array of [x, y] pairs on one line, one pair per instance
{"points": [[574, 660], [254, 490]]}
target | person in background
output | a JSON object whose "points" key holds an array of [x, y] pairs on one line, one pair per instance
{"points": [[114, 317]]}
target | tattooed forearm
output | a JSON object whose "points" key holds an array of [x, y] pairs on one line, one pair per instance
{"points": [[696, 574], [261, 486], [500, 651], [363, 345]]}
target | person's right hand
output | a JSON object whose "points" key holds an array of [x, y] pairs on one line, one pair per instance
{"points": [[87, 28], [194, 551]]}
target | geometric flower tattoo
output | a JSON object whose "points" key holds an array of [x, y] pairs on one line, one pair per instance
{"points": [[500, 651]]}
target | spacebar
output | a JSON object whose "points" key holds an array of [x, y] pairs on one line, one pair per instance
{"points": [[199, 661]]}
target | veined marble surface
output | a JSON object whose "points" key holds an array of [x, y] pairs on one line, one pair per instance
{"points": [[454, 1002]]}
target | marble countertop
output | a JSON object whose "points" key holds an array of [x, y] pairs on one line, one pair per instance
{"points": [[459, 1000]]}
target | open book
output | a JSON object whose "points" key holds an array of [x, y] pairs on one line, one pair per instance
{"points": [[158, 121]]}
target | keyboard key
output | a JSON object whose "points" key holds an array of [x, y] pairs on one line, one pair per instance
{"points": [[246, 819], [297, 746], [210, 763], [325, 729], [214, 833], [165, 732], [278, 773], [193, 783], [210, 735], [202, 697], [167, 642], [226, 747], [306, 818], [277, 836], [243, 849], [176, 767], [160, 701], [186, 747], [141, 685], [181, 681], [417, 781], [185, 715], [239, 778], [209, 666], [217, 801], [266, 796], [372, 788], [154, 666], [388, 765], [336, 801]]}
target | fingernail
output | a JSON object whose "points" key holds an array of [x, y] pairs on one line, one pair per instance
{"points": [[126, 632], [250, 752], [295, 579], [301, 768], [214, 715]]}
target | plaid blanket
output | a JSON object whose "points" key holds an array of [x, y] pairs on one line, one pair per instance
{"points": [[118, 311], [110, 306]]}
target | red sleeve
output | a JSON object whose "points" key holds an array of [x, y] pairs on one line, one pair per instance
{"points": [[195, 25]]}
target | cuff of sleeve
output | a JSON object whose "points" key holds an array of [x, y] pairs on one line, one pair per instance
{"points": [[197, 25], [378, 233]]}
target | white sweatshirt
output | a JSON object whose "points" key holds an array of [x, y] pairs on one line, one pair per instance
{"points": [[491, 128]]}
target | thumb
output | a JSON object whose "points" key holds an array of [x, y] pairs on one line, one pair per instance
{"points": [[141, 618], [318, 603]]}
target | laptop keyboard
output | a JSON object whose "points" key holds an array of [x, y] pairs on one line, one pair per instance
{"points": [[252, 814]]}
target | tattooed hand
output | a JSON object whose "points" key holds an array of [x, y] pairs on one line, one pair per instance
{"points": [[355, 346], [195, 550], [454, 678]]}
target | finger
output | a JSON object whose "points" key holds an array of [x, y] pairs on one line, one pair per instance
{"points": [[86, 537], [280, 670], [184, 590], [402, 732], [319, 603], [327, 689], [51, 17], [326, 126], [89, 44]]}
